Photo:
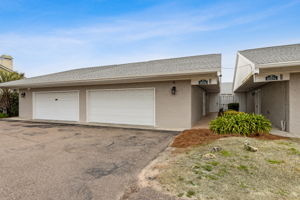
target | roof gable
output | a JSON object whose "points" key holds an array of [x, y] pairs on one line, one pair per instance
{"points": [[275, 54]]}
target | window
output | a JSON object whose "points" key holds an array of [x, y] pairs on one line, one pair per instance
{"points": [[203, 82], [271, 77]]}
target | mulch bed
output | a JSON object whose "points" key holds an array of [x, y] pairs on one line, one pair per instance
{"points": [[203, 136]]}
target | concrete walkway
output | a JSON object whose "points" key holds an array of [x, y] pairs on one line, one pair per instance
{"points": [[204, 121], [278, 132]]}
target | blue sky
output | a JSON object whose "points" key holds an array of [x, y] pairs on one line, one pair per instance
{"points": [[50, 36]]}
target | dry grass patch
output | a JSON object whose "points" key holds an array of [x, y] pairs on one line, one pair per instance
{"points": [[270, 173]]}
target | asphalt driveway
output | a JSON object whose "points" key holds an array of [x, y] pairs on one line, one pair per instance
{"points": [[54, 162]]}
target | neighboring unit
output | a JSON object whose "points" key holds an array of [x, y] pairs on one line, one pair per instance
{"points": [[268, 79], [164, 94], [226, 95], [6, 63]]}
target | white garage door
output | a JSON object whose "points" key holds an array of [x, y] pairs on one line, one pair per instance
{"points": [[56, 105], [121, 106]]}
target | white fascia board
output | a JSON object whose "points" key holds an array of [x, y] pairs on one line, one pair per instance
{"points": [[250, 62], [254, 69], [279, 64], [148, 78]]}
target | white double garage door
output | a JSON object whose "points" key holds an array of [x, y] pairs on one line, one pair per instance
{"points": [[114, 106]]}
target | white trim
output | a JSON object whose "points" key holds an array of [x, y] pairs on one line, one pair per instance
{"points": [[241, 54], [159, 77], [251, 64], [87, 106], [279, 64], [145, 88], [61, 91], [33, 105], [120, 89], [154, 105]]}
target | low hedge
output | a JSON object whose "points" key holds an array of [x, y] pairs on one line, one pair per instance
{"points": [[241, 123], [3, 115], [231, 112]]}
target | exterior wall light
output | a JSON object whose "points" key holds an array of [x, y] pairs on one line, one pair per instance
{"points": [[23, 94], [173, 90]]}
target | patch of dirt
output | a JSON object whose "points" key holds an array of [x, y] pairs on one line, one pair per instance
{"points": [[194, 137]]}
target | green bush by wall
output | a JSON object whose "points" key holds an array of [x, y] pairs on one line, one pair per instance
{"points": [[241, 123], [3, 115]]}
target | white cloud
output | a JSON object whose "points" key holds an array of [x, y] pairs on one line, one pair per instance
{"points": [[133, 37]]}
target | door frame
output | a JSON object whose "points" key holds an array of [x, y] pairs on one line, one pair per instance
{"points": [[120, 89], [60, 91]]}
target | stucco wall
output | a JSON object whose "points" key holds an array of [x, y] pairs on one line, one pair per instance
{"points": [[213, 102], [25, 104], [294, 103], [250, 102], [197, 104], [208, 102], [172, 111], [274, 102], [240, 98]]}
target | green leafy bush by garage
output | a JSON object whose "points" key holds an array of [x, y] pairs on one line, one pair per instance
{"points": [[9, 99], [241, 123], [232, 112], [3, 115]]}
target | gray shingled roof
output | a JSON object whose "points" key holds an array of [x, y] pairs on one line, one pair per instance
{"points": [[276, 54], [183, 65]]}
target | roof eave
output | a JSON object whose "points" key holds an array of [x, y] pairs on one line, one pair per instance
{"points": [[279, 64], [235, 70], [171, 76]]}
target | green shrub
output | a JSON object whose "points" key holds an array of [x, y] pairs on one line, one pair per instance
{"points": [[241, 123], [13, 110], [3, 115], [233, 106], [231, 112]]}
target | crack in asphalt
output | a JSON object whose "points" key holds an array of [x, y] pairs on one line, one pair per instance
{"points": [[99, 172]]}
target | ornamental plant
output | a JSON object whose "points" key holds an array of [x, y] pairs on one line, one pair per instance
{"points": [[241, 123]]}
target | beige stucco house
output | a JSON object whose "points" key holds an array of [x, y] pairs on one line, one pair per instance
{"points": [[268, 81], [6, 63], [164, 94]]}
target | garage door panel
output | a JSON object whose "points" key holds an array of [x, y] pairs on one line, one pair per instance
{"points": [[128, 106], [56, 106]]}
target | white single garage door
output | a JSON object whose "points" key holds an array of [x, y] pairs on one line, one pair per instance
{"points": [[56, 105], [122, 106]]}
